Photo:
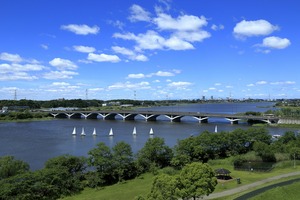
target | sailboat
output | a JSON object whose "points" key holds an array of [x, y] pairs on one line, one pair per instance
{"points": [[82, 132], [151, 132], [216, 129], [134, 131], [111, 132], [74, 131], [94, 132]]}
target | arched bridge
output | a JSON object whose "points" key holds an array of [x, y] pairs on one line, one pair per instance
{"points": [[152, 116]]}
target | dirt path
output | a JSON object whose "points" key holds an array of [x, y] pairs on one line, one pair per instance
{"points": [[249, 186]]}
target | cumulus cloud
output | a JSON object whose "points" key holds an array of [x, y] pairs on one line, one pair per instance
{"points": [[10, 57], [181, 23], [137, 13], [276, 42], [63, 64], [81, 29], [253, 28], [84, 49], [179, 84], [129, 85], [180, 31], [129, 53], [59, 75], [140, 75], [103, 58]]}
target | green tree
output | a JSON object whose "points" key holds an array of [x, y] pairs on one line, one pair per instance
{"points": [[196, 180], [9, 166], [123, 161], [154, 151], [102, 159], [163, 188], [264, 151]]}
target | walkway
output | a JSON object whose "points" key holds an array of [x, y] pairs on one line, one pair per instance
{"points": [[249, 186]]}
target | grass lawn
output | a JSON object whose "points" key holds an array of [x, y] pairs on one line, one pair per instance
{"points": [[123, 191]]}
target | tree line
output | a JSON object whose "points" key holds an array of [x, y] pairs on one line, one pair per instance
{"points": [[67, 175]]}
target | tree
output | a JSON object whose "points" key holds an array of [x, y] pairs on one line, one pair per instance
{"points": [[163, 188], [73, 164], [102, 159], [9, 166], [264, 151], [196, 180], [122, 161], [154, 151]]}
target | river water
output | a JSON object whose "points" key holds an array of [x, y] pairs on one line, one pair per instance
{"points": [[36, 142]]}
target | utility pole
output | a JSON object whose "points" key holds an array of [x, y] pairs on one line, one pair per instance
{"points": [[86, 94]]}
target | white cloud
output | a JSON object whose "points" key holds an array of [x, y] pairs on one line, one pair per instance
{"points": [[261, 83], [253, 28], [10, 57], [129, 53], [138, 14], [129, 85], [60, 84], [182, 23], [44, 46], [84, 49], [217, 27], [250, 85], [162, 73], [16, 75], [136, 75], [63, 64], [180, 84], [59, 75], [103, 58], [283, 83], [276, 42], [82, 29]]}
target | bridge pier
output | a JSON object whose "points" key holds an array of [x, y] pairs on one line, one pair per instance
{"points": [[202, 119], [233, 120], [174, 118], [127, 116], [149, 117]]}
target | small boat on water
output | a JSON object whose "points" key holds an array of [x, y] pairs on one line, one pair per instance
{"points": [[94, 132], [134, 131], [216, 129], [111, 133], [151, 132], [82, 132], [74, 131]]}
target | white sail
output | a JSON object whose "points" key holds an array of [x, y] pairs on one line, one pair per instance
{"points": [[216, 129], [111, 133], [82, 132], [94, 132], [151, 132], [134, 131], [74, 131]]}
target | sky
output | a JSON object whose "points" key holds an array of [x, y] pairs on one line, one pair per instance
{"points": [[149, 50]]}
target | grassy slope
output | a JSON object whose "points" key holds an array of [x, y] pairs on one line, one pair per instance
{"points": [[122, 191]]}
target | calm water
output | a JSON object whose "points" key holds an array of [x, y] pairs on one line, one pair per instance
{"points": [[36, 142]]}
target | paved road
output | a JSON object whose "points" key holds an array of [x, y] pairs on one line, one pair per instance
{"points": [[249, 186]]}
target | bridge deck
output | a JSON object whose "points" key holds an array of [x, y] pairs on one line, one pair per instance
{"points": [[173, 116]]}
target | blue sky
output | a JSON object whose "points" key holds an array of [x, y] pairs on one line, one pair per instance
{"points": [[149, 50]]}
